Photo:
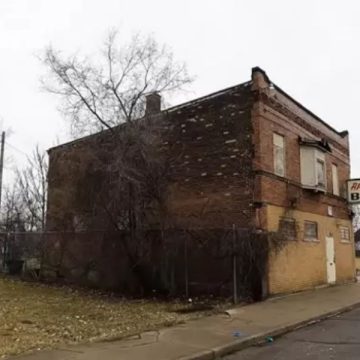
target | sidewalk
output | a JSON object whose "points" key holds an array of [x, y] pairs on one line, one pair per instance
{"points": [[211, 337]]}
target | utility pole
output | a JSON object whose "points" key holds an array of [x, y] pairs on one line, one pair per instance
{"points": [[2, 161]]}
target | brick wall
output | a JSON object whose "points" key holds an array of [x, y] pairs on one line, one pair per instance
{"points": [[74, 182], [301, 264], [276, 113], [211, 182]]}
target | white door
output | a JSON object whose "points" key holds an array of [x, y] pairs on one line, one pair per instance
{"points": [[330, 260]]}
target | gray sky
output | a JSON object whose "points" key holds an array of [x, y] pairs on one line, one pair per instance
{"points": [[309, 48]]}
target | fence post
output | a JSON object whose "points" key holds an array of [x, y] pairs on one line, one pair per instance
{"points": [[235, 290], [6, 250], [186, 267], [43, 238]]}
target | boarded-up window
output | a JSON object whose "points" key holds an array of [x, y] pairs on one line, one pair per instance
{"points": [[335, 180], [310, 230], [279, 154], [344, 233], [287, 228]]}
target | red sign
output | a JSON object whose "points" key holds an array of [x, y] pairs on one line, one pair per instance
{"points": [[353, 191]]}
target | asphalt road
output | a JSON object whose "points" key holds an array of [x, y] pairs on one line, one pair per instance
{"points": [[337, 338]]}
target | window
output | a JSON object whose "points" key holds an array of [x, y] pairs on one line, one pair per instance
{"points": [[287, 228], [320, 173], [344, 233], [335, 179], [313, 168], [279, 154], [310, 231]]}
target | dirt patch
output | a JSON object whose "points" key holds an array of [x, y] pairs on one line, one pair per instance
{"points": [[35, 316]]}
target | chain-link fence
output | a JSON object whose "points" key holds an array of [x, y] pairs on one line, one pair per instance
{"points": [[21, 253], [177, 262]]}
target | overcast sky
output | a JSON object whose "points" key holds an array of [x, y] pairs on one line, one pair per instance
{"points": [[309, 48]]}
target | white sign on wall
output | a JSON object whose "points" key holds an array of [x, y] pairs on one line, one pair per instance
{"points": [[353, 191]]}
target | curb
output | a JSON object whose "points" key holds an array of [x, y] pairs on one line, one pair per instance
{"points": [[234, 346]]}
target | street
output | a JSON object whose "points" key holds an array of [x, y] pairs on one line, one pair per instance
{"points": [[336, 338]]}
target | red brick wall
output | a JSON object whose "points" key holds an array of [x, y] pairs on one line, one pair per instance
{"points": [[211, 180], [272, 117], [73, 185]]}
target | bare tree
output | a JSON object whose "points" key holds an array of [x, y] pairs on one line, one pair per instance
{"points": [[103, 93], [32, 186], [356, 217], [12, 209]]}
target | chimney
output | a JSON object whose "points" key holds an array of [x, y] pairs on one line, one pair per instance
{"points": [[259, 78], [153, 103]]}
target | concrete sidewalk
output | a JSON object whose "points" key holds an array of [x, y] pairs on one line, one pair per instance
{"points": [[211, 337]]}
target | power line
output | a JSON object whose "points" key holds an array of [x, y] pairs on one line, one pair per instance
{"points": [[16, 149], [8, 168]]}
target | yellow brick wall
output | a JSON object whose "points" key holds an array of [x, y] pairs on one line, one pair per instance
{"points": [[302, 264]]}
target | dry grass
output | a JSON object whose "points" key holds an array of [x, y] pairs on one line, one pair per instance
{"points": [[34, 316]]}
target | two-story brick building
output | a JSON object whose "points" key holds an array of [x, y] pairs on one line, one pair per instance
{"points": [[248, 156]]}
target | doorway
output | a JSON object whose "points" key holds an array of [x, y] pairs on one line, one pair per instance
{"points": [[330, 260]]}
